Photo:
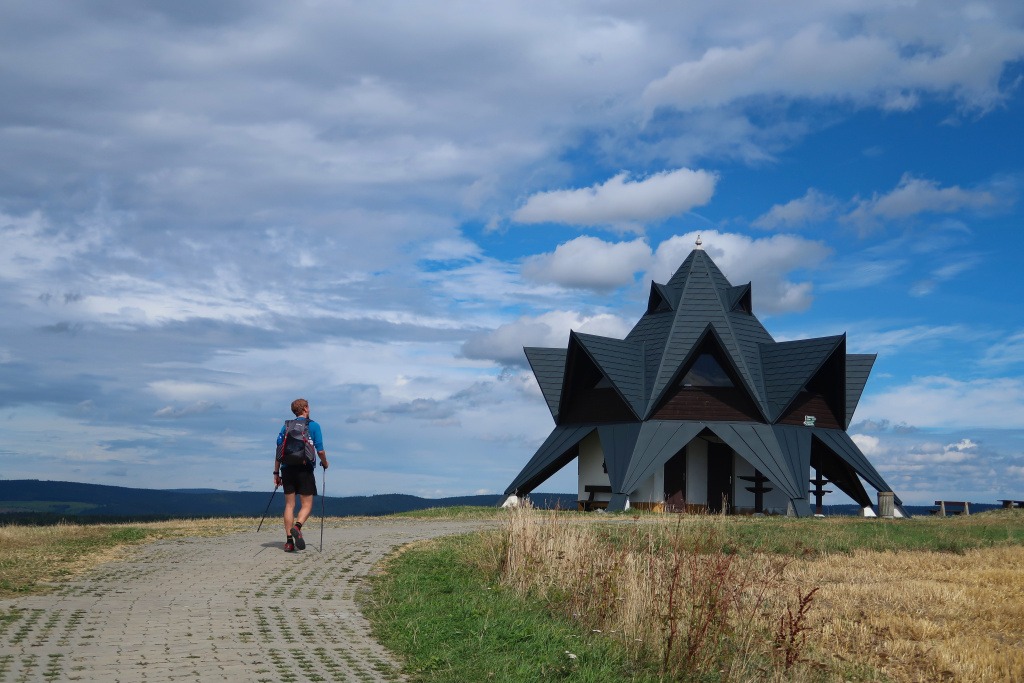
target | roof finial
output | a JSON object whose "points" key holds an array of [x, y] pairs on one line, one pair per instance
{"points": [[700, 248]]}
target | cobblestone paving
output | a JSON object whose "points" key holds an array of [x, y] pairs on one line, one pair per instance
{"points": [[229, 608]]}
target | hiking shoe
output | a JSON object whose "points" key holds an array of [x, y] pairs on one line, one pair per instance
{"points": [[297, 535], [289, 547]]}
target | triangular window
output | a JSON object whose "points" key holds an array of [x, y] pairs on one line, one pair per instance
{"points": [[706, 372]]}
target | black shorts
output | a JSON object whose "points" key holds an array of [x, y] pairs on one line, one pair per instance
{"points": [[300, 480]]}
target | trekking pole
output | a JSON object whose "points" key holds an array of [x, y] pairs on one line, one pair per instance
{"points": [[323, 502], [267, 510]]}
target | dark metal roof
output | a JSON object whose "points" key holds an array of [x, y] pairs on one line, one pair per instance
{"points": [[788, 366], [547, 460], [699, 306], [858, 367], [618, 442], [622, 362], [658, 441], [548, 367]]}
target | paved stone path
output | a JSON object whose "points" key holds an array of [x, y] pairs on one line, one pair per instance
{"points": [[230, 608]]}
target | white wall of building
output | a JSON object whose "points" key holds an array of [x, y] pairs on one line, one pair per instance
{"points": [[591, 468], [696, 472], [775, 501], [651, 490]]}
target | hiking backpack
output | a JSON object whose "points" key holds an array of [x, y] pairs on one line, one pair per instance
{"points": [[296, 448]]}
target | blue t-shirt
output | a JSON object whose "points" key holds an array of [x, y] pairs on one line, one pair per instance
{"points": [[314, 432]]}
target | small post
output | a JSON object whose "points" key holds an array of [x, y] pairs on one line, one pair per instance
{"points": [[758, 489], [886, 504], [942, 508], [967, 509]]}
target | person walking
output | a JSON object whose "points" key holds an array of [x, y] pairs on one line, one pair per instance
{"points": [[298, 445]]}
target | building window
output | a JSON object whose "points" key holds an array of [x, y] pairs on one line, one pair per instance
{"points": [[706, 372]]}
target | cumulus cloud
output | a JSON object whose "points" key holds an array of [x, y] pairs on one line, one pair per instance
{"points": [[913, 196], [950, 403], [813, 207], [869, 445], [621, 201], [875, 66], [961, 451], [505, 344], [768, 262], [590, 263]]}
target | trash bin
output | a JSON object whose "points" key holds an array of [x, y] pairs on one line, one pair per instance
{"points": [[886, 504]]}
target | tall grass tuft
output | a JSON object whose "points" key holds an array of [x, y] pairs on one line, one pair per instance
{"points": [[681, 595]]}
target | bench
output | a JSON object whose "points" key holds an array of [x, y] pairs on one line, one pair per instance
{"points": [[966, 507], [1011, 504], [589, 504]]}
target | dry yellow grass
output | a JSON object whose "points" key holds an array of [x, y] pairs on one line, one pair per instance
{"points": [[909, 615], [33, 557], [922, 616]]}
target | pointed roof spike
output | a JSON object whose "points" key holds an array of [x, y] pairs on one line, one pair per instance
{"points": [[699, 243]]}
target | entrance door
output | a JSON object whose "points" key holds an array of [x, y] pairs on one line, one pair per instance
{"points": [[675, 482], [719, 476]]}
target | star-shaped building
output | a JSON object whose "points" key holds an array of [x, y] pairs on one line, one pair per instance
{"points": [[699, 408]]}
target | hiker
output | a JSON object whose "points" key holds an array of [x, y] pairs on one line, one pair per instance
{"points": [[294, 468]]}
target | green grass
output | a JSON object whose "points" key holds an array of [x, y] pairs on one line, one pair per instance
{"points": [[809, 537], [441, 608], [455, 512]]}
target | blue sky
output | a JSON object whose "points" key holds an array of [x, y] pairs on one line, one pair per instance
{"points": [[209, 210]]}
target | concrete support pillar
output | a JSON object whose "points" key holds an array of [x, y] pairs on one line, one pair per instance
{"points": [[511, 502]]}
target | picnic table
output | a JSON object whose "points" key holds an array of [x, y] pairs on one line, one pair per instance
{"points": [[963, 504]]}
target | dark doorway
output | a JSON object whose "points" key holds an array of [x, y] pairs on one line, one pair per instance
{"points": [[675, 482], [719, 476]]}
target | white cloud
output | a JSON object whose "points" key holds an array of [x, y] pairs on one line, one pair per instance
{"points": [[894, 340], [1006, 352], [869, 445], [197, 408], [454, 249], [621, 201], [950, 403], [813, 207], [505, 344], [590, 263], [961, 451], [767, 262], [913, 196], [874, 66], [926, 286]]}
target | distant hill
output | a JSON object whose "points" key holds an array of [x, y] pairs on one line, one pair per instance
{"points": [[31, 496], [27, 498]]}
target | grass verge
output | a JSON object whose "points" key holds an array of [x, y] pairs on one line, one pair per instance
{"points": [[440, 605], [469, 512]]}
